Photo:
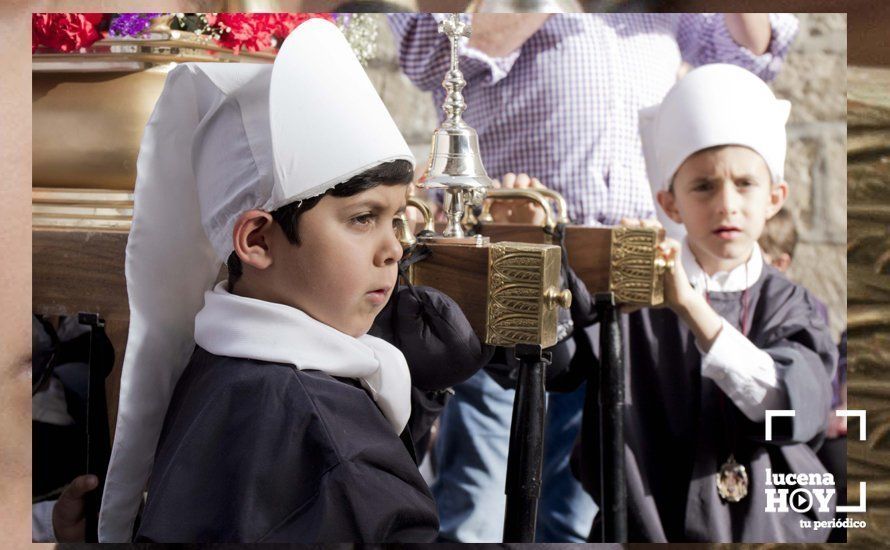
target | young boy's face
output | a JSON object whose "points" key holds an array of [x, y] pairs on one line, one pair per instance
{"points": [[723, 196], [345, 267]]}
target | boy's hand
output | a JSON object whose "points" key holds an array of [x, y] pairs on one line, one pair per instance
{"points": [[670, 250], [517, 211], [678, 292], [438, 342], [68, 513], [679, 295]]}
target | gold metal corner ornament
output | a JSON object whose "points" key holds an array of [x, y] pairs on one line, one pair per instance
{"points": [[523, 294], [637, 266]]}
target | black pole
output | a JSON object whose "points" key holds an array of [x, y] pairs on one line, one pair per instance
{"points": [[614, 488], [98, 435], [526, 455]]}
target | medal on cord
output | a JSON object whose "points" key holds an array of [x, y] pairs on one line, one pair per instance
{"points": [[732, 478]]}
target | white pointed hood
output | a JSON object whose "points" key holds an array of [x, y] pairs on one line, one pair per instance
{"points": [[223, 139], [717, 104]]}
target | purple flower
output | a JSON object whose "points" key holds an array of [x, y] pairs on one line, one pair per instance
{"points": [[131, 24]]}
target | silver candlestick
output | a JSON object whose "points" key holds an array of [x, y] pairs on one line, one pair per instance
{"points": [[455, 163]]}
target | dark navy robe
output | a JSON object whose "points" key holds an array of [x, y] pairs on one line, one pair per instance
{"points": [[680, 427], [253, 451]]}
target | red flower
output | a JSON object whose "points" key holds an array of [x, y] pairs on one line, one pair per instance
{"points": [[64, 32], [244, 30], [255, 31], [284, 23]]}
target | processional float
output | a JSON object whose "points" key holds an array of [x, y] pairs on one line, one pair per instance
{"points": [[506, 279]]}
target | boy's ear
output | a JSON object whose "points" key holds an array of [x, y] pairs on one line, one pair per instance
{"points": [[781, 262], [668, 203], [250, 238], [777, 195]]}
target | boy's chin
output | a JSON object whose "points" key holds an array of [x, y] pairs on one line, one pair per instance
{"points": [[360, 327], [356, 326], [731, 252]]}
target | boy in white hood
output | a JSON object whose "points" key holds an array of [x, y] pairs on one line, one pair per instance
{"points": [[735, 339], [261, 410]]}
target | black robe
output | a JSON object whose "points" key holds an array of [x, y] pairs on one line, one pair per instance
{"points": [[679, 430], [253, 451]]}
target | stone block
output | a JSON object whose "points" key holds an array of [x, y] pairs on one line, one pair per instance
{"points": [[816, 85], [816, 172], [822, 269], [825, 32]]}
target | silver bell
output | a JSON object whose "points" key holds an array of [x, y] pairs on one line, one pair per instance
{"points": [[455, 163]]}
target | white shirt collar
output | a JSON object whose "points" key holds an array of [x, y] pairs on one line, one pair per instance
{"points": [[739, 278]]}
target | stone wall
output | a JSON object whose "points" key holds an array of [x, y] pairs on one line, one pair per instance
{"points": [[813, 79]]}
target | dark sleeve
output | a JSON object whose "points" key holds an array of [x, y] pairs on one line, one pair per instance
{"points": [[353, 502], [571, 362], [282, 456], [572, 359], [234, 456], [837, 385], [426, 406], [433, 333], [583, 308], [360, 501], [575, 364], [799, 341]]}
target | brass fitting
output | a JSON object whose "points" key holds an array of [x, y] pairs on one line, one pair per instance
{"points": [[513, 194]]}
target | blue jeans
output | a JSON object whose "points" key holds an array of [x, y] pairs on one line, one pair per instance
{"points": [[471, 452]]}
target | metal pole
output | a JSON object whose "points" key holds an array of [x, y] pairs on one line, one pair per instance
{"points": [[614, 488], [525, 458]]}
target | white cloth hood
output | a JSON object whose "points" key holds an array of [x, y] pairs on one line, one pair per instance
{"points": [[223, 139], [274, 135], [716, 104]]}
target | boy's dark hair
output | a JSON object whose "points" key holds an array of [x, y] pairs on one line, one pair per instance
{"points": [[397, 172], [779, 235]]}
